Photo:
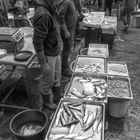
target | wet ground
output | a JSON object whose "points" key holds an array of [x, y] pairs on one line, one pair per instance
{"points": [[126, 48]]}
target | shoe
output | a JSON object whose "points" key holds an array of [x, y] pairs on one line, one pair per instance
{"points": [[56, 94], [48, 102], [125, 29], [67, 72]]}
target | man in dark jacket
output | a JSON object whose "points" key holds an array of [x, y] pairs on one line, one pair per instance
{"points": [[47, 43], [129, 7], [4, 6], [108, 5], [67, 18]]}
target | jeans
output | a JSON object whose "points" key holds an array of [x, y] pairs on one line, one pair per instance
{"points": [[99, 3], [108, 5], [127, 16], [68, 43], [53, 78]]}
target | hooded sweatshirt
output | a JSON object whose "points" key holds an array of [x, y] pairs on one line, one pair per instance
{"points": [[46, 29], [130, 4]]}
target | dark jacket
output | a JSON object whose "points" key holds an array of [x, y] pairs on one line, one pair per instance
{"points": [[67, 13], [46, 30]]}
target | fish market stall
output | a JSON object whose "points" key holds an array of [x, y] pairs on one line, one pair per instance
{"points": [[90, 65], [109, 28], [93, 24], [91, 88], [119, 93], [77, 120], [117, 68]]}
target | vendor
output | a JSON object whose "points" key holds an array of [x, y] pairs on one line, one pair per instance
{"points": [[20, 9], [129, 7], [47, 43], [67, 18], [4, 5]]}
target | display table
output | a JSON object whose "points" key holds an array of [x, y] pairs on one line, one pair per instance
{"points": [[9, 60]]}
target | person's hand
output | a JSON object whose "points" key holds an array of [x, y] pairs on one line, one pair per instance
{"points": [[67, 34], [46, 70]]}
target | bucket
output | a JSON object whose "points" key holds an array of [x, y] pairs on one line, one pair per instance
{"points": [[83, 51], [117, 108], [19, 125]]}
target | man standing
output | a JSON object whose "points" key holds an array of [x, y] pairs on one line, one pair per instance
{"points": [[99, 4], [47, 43], [129, 7], [108, 5], [67, 18], [4, 5]]}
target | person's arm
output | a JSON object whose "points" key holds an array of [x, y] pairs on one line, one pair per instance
{"points": [[61, 18], [41, 27]]}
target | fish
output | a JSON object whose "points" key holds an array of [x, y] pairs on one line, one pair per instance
{"points": [[99, 112], [75, 108], [74, 121], [57, 137], [98, 89], [81, 137], [62, 120], [87, 114], [90, 121], [72, 127], [77, 94], [98, 83], [99, 127], [75, 104], [65, 116], [75, 112], [67, 109], [96, 124], [74, 89], [83, 81], [70, 136], [79, 117]]}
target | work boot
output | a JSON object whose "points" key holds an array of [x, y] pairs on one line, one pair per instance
{"points": [[48, 102], [67, 72], [56, 94]]}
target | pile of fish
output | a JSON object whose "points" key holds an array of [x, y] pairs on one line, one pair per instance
{"points": [[118, 88], [91, 68], [93, 89], [97, 52], [109, 22], [119, 68], [73, 115], [30, 129], [94, 18]]}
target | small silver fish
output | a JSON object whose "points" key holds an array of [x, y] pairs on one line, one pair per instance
{"points": [[87, 114], [57, 137], [96, 124], [77, 94], [82, 137], [72, 127], [99, 127], [70, 136], [98, 89], [90, 121], [83, 81]]}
